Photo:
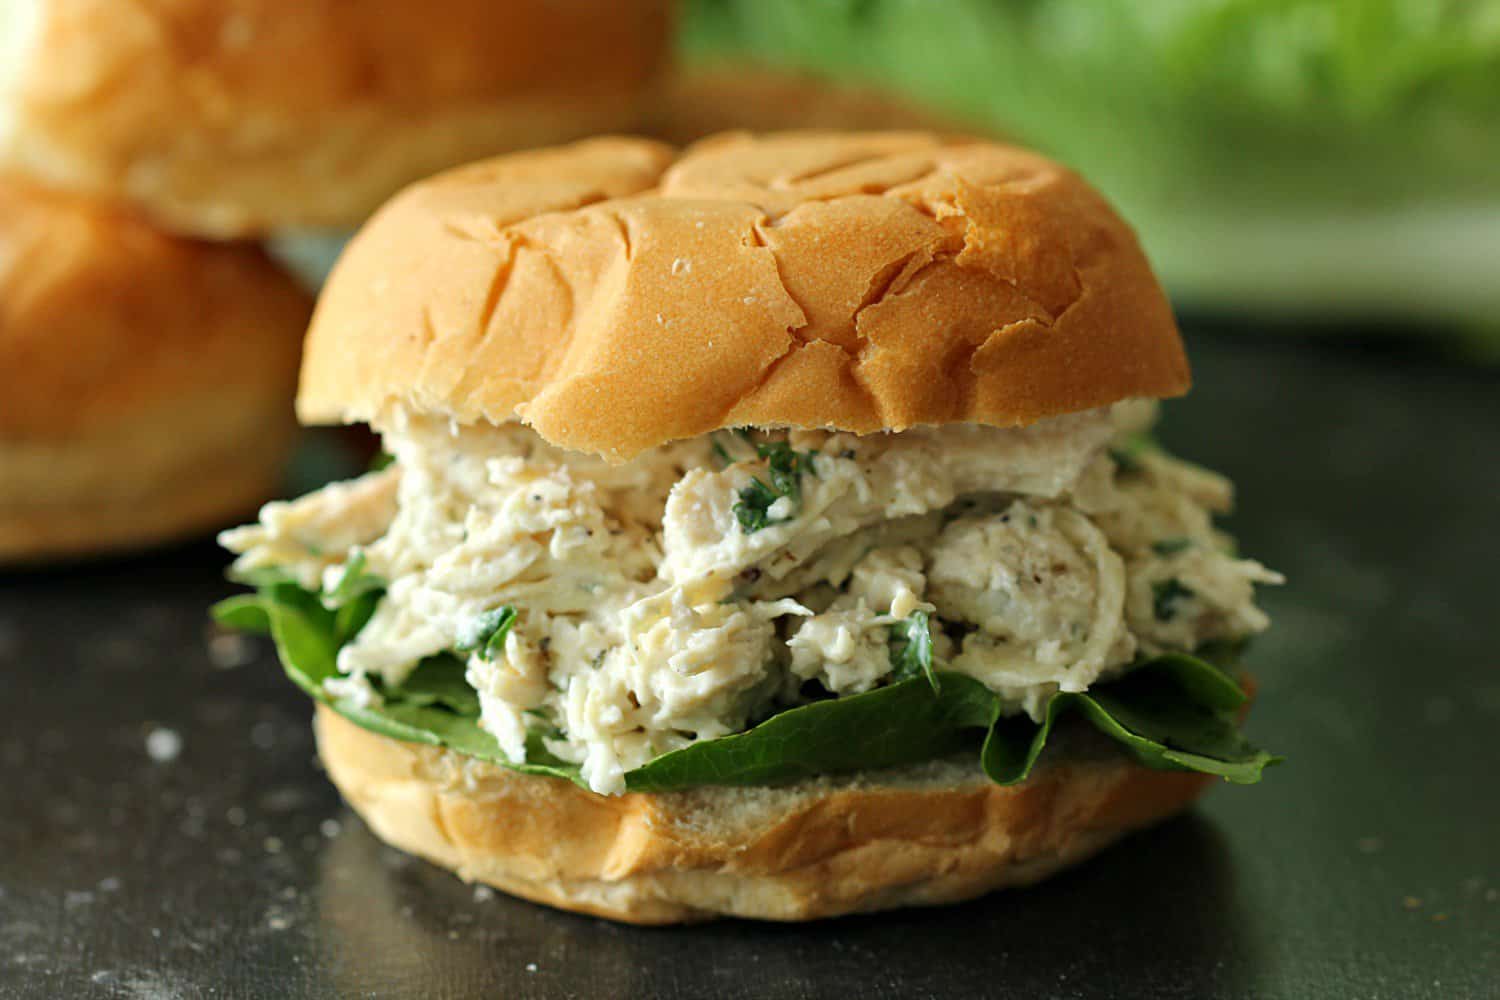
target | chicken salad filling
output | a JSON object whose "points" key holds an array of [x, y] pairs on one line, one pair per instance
{"points": [[607, 615]]}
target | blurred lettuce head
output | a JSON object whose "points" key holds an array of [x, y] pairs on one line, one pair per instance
{"points": [[1308, 157]]}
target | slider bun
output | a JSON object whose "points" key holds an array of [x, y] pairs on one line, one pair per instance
{"points": [[921, 835], [617, 294], [228, 119], [146, 379], [703, 100]]}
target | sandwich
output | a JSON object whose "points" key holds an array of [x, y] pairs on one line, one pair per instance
{"points": [[146, 380], [771, 529], [233, 120]]}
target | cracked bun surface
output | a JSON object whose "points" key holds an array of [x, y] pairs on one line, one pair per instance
{"points": [[146, 379], [229, 119], [618, 294]]}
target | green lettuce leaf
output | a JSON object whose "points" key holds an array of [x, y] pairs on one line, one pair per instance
{"points": [[434, 705], [1176, 712], [902, 723]]}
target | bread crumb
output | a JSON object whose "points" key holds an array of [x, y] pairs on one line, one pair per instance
{"points": [[163, 745]]}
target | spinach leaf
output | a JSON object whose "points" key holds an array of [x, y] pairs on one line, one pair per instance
{"points": [[911, 650], [438, 680], [902, 723], [434, 705], [242, 613], [261, 576], [350, 618], [1175, 712], [354, 582]]}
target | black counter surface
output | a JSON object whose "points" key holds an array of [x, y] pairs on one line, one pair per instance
{"points": [[165, 831]]}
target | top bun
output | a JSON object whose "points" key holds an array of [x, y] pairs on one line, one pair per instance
{"points": [[616, 295], [227, 119]]}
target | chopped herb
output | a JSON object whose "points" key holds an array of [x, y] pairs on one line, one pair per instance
{"points": [[785, 468], [1171, 546], [1166, 595], [486, 634], [754, 506], [911, 649]]}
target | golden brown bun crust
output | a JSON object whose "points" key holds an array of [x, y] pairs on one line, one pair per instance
{"points": [[617, 295], [147, 379], [932, 834], [704, 100], [225, 119]]}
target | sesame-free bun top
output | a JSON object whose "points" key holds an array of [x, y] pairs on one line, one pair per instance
{"points": [[231, 118], [616, 294], [146, 380]]}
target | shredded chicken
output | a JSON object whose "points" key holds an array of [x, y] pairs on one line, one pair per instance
{"points": [[690, 592]]}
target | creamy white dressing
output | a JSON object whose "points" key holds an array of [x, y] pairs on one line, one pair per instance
{"points": [[649, 617]]}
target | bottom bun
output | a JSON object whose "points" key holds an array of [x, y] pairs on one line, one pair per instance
{"points": [[146, 380], [916, 836]]}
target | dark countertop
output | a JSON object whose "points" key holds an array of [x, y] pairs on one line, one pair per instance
{"points": [[1367, 866]]}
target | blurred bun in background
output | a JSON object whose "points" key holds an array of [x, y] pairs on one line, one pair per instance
{"points": [[709, 99], [1319, 159], [227, 119], [145, 379]]}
